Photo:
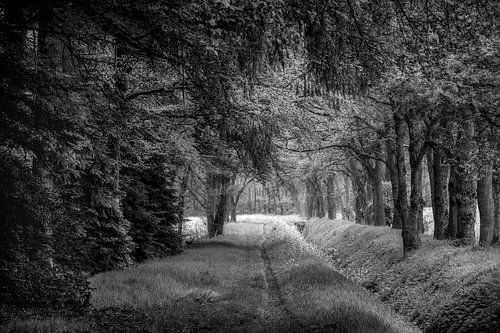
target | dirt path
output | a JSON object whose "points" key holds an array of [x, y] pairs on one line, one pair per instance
{"points": [[246, 281]]}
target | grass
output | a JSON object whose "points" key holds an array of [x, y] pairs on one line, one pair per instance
{"points": [[46, 325], [432, 286], [316, 293], [212, 285]]}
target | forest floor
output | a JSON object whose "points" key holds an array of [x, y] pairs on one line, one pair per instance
{"points": [[262, 276]]}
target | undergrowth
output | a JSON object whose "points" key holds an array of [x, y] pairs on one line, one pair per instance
{"points": [[440, 287]]}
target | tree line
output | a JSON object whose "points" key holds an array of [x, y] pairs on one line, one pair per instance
{"points": [[115, 114]]}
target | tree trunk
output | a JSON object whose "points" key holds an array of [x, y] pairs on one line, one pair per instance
{"points": [[217, 201], [415, 205], [378, 195], [232, 205], [411, 239], [360, 201], [347, 206], [496, 211], [430, 171], [420, 208], [330, 196], [465, 187], [451, 230], [320, 202], [393, 172], [309, 199], [486, 206], [439, 183], [254, 197]]}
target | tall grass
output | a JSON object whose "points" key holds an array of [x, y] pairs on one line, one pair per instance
{"points": [[430, 286], [316, 293], [46, 325]]}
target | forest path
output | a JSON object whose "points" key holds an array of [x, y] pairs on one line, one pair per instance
{"points": [[261, 276]]}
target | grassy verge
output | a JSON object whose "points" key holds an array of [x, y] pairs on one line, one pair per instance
{"points": [[441, 287], [320, 297], [213, 286]]}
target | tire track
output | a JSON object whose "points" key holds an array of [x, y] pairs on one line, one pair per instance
{"points": [[278, 315]]}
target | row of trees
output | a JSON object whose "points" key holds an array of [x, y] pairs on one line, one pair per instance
{"points": [[108, 111], [434, 96], [112, 112]]}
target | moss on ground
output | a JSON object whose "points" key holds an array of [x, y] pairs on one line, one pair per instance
{"points": [[440, 287]]}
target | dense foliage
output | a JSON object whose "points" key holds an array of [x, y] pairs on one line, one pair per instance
{"points": [[112, 112]]}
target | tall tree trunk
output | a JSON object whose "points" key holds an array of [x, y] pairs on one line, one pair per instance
{"points": [[411, 239], [348, 200], [415, 204], [320, 202], [439, 183], [393, 172], [420, 208], [378, 195], [496, 205], [330, 196], [217, 201], [430, 170], [359, 203], [254, 197], [466, 186], [486, 206], [451, 230], [232, 205], [309, 199]]}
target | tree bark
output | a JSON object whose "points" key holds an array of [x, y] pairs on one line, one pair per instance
{"points": [[393, 172], [347, 207], [330, 194], [359, 203], [451, 230], [420, 207], [411, 240], [320, 202], [465, 186], [217, 201], [378, 195], [496, 205], [309, 199], [486, 206], [254, 197], [439, 183], [232, 205]]}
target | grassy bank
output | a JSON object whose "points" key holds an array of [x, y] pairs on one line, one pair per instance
{"points": [[441, 287], [317, 294]]}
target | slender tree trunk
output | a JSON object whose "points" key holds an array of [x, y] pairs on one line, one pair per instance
{"points": [[420, 207], [309, 200], [451, 231], [486, 206], [254, 197], [415, 204], [218, 201], [232, 205], [378, 197], [359, 201], [430, 170], [348, 200], [393, 172], [330, 195], [466, 187], [320, 202], [439, 192], [496, 211], [411, 239]]}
